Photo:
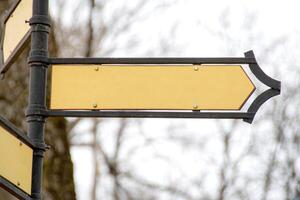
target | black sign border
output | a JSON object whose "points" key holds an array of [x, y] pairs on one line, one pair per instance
{"points": [[274, 90]]}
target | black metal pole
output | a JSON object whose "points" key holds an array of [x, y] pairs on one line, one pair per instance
{"points": [[37, 61]]}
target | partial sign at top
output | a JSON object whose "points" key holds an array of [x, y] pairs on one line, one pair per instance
{"points": [[16, 32]]}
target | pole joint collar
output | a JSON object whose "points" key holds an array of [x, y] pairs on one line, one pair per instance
{"points": [[39, 146], [41, 28], [40, 19], [36, 113], [38, 58]]}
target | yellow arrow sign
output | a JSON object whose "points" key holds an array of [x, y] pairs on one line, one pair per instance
{"points": [[17, 31], [165, 87], [15, 161]]}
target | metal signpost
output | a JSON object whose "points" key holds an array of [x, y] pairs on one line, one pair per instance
{"points": [[112, 87]]}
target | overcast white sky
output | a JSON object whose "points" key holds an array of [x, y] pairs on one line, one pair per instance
{"points": [[197, 21]]}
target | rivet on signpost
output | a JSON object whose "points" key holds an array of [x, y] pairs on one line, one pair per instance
{"points": [[95, 105], [196, 68]]}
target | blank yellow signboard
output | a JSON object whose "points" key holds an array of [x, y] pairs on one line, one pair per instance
{"points": [[16, 28], [15, 161], [138, 87]]}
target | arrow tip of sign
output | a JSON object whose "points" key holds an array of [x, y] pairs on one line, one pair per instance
{"points": [[249, 53], [248, 120]]}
